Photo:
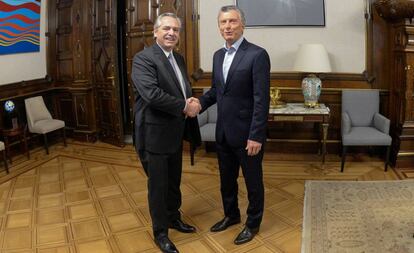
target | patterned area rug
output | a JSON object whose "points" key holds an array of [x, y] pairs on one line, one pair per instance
{"points": [[369, 217]]}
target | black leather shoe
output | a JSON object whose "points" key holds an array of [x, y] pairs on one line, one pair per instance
{"points": [[224, 224], [182, 227], [165, 245], [246, 235]]}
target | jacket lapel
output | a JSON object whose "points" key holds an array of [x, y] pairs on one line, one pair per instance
{"points": [[161, 56], [241, 52], [220, 66]]}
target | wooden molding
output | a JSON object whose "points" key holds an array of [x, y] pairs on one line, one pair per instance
{"points": [[26, 88], [392, 10], [199, 74]]}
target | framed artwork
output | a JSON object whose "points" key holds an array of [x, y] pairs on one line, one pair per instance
{"points": [[283, 12], [19, 26]]}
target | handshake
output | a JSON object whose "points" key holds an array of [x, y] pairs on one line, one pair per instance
{"points": [[192, 107]]}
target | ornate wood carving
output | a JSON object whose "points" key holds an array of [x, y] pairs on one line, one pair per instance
{"points": [[395, 9]]}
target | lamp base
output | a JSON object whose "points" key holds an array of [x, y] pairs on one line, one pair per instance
{"points": [[311, 89], [312, 104]]}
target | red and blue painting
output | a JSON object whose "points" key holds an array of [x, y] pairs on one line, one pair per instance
{"points": [[19, 26]]}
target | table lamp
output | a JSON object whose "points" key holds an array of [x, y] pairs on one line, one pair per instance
{"points": [[312, 59], [10, 115]]}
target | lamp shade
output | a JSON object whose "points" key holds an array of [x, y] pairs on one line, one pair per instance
{"points": [[312, 58]]}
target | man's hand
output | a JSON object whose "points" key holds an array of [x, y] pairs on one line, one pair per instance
{"points": [[253, 147], [193, 107]]}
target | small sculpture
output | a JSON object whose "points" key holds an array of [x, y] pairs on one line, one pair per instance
{"points": [[275, 95]]}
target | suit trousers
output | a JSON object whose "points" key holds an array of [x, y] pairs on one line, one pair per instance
{"points": [[164, 195], [230, 159]]}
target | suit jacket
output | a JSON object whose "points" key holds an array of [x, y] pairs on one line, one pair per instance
{"points": [[243, 100], [159, 102]]}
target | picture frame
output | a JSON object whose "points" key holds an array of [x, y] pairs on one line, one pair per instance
{"points": [[283, 12], [20, 26]]}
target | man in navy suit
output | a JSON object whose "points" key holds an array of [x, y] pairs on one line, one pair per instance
{"points": [[162, 119], [240, 87]]}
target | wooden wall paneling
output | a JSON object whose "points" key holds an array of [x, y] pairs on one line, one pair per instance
{"points": [[51, 38], [82, 86], [65, 109], [192, 39], [82, 42], [71, 28], [402, 127], [397, 87], [398, 18], [178, 7], [69, 33], [104, 39], [381, 52], [85, 117], [105, 105], [64, 40], [141, 15]]}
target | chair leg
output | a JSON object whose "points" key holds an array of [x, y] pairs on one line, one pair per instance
{"points": [[344, 149], [5, 161], [46, 145], [387, 158], [371, 151], [64, 136]]}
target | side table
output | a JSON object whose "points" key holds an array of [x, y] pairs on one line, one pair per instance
{"points": [[297, 112], [19, 132]]}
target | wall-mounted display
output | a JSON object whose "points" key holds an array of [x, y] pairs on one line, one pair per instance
{"points": [[283, 12]]}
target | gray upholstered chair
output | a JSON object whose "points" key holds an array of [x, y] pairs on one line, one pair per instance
{"points": [[40, 121], [362, 125], [207, 123], [4, 156]]}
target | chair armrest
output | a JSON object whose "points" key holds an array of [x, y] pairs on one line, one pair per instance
{"points": [[382, 123], [345, 123], [202, 118]]}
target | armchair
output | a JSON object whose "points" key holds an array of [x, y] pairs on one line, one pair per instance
{"points": [[40, 121], [362, 125]]}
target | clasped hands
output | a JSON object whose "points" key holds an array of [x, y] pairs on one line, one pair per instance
{"points": [[193, 107]]}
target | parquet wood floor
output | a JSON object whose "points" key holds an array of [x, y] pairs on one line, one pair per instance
{"points": [[91, 198]]}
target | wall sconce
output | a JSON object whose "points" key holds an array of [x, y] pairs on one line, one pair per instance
{"points": [[312, 59]]}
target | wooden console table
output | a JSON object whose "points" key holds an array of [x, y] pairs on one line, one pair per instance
{"points": [[297, 112]]}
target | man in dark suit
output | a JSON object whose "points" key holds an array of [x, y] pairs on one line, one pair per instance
{"points": [[240, 87], [162, 112]]}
